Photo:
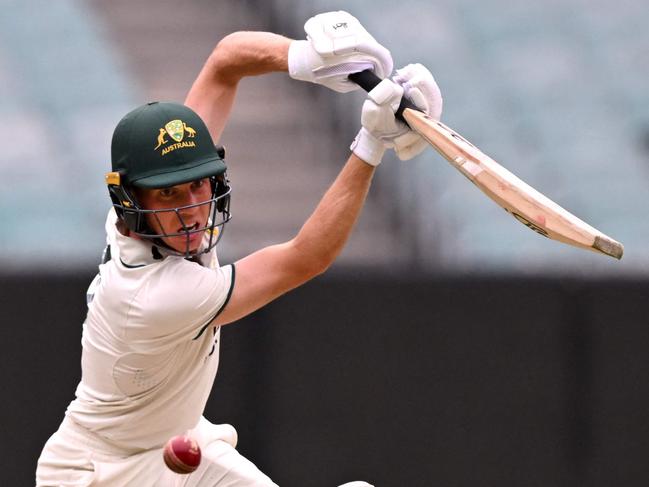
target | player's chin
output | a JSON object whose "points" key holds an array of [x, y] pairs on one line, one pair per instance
{"points": [[183, 244]]}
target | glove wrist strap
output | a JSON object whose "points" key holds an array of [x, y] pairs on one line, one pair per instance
{"points": [[368, 148]]}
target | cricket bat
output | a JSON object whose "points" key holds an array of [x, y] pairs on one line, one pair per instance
{"points": [[530, 207]]}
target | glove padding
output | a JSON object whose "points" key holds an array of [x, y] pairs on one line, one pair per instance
{"points": [[383, 101], [336, 46]]}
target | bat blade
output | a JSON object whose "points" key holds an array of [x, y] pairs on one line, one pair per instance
{"points": [[527, 205]]}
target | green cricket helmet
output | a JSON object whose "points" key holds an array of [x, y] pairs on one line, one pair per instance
{"points": [[159, 145]]}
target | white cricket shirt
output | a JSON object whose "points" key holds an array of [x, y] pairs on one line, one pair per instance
{"points": [[150, 352]]}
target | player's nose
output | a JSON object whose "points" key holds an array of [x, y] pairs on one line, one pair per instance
{"points": [[190, 198], [191, 205]]}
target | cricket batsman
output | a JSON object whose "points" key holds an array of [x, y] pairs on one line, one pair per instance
{"points": [[150, 343]]}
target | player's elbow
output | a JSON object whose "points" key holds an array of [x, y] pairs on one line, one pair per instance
{"points": [[309, 262], [223, 60], [320, 267]]}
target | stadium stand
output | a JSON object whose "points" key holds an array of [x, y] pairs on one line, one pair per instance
{"points": [[554, 91]]}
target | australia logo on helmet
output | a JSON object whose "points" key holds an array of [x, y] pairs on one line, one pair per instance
{"points": [[176, 130]]}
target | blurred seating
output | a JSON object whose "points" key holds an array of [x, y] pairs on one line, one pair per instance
{"points": [[555, 91], [63, 92]]}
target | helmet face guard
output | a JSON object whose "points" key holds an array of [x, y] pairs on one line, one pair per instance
{"points": [[136, 218]]}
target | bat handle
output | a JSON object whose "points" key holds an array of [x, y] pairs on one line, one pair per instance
{"points": [[368, 80]]}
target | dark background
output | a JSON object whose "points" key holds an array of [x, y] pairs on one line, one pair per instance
{"points": [[486, 381]]}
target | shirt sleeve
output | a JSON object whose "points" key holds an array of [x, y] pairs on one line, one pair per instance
{"points": [[179, 301]]}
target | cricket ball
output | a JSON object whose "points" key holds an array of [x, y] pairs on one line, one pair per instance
{"points": [[182, 454]]}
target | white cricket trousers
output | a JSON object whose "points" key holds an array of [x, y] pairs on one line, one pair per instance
{"points": [[73, 457]]}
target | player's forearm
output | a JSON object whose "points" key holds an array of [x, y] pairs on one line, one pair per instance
{"points": [[243, 54], [325, 233]]}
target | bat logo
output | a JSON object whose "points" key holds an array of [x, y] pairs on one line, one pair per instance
{"points": [[529, 224], [452, 133], [340, 25]]}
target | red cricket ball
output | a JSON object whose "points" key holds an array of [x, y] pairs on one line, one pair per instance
{"points": [[182, 454]]}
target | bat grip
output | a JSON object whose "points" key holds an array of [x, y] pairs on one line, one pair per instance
{"points": [[368, 81]]}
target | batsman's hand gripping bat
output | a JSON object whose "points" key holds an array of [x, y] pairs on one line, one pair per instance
{"points": [[527, 205]]}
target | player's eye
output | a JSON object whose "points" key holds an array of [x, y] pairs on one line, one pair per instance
{"points": [[166, 192]]}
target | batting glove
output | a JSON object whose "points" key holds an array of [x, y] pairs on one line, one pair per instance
{"points": [[336, 46], [381, 129]]}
